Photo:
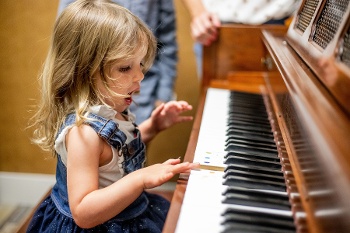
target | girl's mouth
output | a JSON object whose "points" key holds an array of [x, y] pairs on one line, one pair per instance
{"points": [[128, 100]]}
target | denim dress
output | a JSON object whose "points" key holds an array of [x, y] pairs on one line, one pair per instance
{"points": [[146, 214]]}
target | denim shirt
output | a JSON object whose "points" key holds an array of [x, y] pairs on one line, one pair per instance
{"points": [[134, 158]]}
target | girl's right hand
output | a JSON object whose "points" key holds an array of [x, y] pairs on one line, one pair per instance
{"points": [[157, 174]]}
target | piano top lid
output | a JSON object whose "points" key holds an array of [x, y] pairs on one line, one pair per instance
{"points": [[320, 34]]}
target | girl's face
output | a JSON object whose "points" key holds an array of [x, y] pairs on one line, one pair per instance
{"points": [[125, 79]]}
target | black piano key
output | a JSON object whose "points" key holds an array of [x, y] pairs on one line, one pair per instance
{"points": [[257, 140], [256, 198], [247, 142], [249, 120], [242, 123], [278, 195], [253, 129], [241, 223], [233, 159], [238, 115], [258, 155], [255, 201], [246, 147], [276, 178], [249, 111], [233, 227], [270, 222], [251, 149], [246, 98], [285, 218], [253, 156], [254, 169], [236, 129], [253, 135], [238, 180], [245, 94], [243, 118], [245, 112], [251, 105]]}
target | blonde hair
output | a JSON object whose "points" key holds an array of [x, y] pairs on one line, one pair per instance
{"points": [[88, 37]]}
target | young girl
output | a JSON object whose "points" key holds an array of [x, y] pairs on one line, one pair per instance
{"points": [[96, 61]]}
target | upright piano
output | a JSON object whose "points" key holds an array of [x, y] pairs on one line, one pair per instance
{"points": [[272, 129]]}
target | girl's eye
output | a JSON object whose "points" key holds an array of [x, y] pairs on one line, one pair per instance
{"points": [[142, 67], [124, 69]]}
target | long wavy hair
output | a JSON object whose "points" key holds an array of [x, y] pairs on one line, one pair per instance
{"points": [[88, 37]]}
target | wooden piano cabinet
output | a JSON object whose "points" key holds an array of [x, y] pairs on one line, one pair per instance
{"points": [[248, 81], [239, 48], [327, 130]]}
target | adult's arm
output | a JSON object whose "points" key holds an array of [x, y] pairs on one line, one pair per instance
{"points": [[204, 24]]}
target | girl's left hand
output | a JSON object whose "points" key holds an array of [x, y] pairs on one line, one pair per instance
{"points": [[168, 114]]}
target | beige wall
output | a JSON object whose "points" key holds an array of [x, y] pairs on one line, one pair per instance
{"points": [[25, 28]]}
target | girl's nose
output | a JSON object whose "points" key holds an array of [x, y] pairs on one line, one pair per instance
{"points": [[138, 77]]}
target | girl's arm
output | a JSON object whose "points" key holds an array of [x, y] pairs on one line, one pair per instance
{"points": [[163, 117], [90, 205]]}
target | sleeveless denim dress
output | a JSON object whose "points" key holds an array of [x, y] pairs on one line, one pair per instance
{"points": [[146, 214]]}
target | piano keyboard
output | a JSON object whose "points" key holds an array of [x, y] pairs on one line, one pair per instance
{"points": [[210, 148], [240, 186]]}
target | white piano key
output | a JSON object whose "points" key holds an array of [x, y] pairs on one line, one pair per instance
{"points": [[202, 206], [212, 135]]}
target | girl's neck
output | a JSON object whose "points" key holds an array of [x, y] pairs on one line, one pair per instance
{"points": [[123, 116]]}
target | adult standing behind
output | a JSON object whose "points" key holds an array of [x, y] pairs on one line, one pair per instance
{"points": [[207, 16], [158, 84]]}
